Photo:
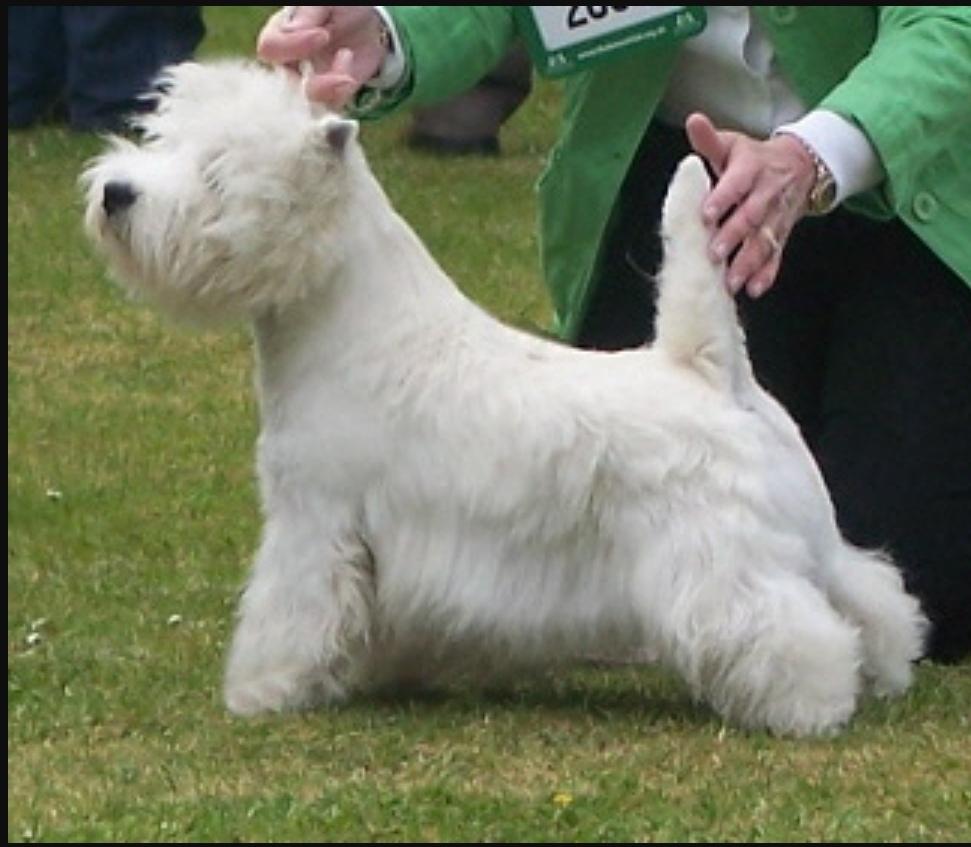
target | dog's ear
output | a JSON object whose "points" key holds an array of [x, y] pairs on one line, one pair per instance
{"points": [[336, 133]]}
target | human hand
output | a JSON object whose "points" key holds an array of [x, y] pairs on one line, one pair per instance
{"points": [[336, 48], [762, 191]]}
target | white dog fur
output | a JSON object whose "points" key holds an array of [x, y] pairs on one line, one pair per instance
{"points": [[444, 494]]}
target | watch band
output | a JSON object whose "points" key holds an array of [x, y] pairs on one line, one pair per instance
{"points": [[822, 195]]}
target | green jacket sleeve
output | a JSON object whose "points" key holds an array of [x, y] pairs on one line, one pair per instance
{"points": [[910, 92], [448, 50], [900, 73]]}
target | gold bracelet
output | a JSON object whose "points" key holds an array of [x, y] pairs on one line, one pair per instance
{"points": [[822, 195]]}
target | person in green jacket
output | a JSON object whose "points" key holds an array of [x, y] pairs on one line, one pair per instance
{"points": [[840, 137]]}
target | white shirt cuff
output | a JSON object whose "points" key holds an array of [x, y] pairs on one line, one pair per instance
{"points": [[392, 69], [843, 147]]}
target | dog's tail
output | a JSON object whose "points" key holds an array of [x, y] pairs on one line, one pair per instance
{"points": [[697, 324]]}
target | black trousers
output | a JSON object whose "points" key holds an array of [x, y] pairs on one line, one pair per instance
{"points": [[91, 61], [866, 339]]}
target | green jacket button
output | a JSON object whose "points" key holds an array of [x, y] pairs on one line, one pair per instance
{"points": [[783, 15], [925, 206]]}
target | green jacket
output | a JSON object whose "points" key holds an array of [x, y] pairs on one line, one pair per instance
{"points": [[902, 73]]}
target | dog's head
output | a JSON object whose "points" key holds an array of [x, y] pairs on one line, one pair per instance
{"points": [[228, 204]]}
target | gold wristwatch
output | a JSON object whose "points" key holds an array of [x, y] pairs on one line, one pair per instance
{"points": [[822, 196]]}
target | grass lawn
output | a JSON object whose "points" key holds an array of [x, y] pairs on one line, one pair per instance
{"points": [[132, 517]]}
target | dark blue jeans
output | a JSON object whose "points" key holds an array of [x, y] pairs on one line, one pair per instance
{"points": [[91, 62], [866, 339]]}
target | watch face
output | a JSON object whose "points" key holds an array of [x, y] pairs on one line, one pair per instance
{"points": [[823, 194]]}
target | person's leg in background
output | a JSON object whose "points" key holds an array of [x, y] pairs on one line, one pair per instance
{"points": [[36, 66], [114, 53], [470, 122]]}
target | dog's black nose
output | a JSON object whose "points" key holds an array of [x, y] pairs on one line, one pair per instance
{"points": [[118, 197]]}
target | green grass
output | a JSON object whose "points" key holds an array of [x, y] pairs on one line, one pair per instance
{"points": [[132, 517]]}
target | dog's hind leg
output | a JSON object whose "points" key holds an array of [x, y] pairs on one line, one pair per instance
{"points": [[304, 621], [765, 650]]}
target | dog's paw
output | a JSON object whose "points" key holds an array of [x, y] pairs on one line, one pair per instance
{"points": [[277, 692], [269, 694], [891, 683]]}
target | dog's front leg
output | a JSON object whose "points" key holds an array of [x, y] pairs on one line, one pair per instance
{"points": [[304, 620]]}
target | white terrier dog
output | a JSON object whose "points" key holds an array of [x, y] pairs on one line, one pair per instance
{"points": [[443, 493]]}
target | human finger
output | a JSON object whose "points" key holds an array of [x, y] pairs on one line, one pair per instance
{"points": [[738, 185], [765, 277], [721, 149], [294, 33], [332, 90], [281, 47], [757, 263], [336, 86], [758, 249], [739, 203], [304, 17], [707, 141]]}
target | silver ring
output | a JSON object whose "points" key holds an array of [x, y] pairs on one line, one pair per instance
{"points": [[771, 238]]}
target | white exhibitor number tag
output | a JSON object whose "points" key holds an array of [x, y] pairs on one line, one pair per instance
{"points": [[566, 39]]}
